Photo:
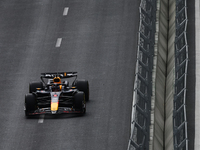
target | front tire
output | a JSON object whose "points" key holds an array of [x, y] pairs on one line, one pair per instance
{"points": [[79, 101], [83, 85], [30, 103]]}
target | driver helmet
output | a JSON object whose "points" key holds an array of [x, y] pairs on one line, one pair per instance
{"points": [[57, 80]]}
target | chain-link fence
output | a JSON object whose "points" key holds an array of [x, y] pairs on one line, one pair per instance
{"points": [[139, 139], [181, 63]]}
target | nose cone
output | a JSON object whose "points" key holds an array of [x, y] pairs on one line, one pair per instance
{"points": [[54, 106]]}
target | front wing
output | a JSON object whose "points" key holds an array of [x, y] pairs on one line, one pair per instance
{"points": [[61, 110]]}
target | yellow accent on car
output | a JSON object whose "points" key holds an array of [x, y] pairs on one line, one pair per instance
{"points": [[54, 106]]}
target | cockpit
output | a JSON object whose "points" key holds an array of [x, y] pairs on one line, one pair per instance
{"points": [[55, 84]]}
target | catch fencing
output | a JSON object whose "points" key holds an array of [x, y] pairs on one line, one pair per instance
{"points": [[140, 121], [181, 64]]}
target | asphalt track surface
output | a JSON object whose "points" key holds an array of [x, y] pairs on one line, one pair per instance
{"points": [[98, 39]]}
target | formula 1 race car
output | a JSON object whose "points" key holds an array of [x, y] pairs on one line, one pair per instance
{"points": [[56, 97]]}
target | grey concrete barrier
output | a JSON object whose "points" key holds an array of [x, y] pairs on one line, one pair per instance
{"points": [[169, 145], [159, 77], [164, 122]]}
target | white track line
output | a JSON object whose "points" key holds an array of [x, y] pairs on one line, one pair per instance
{"points": [[41, 120], [65, 12], [197, 84], [58, 43]]}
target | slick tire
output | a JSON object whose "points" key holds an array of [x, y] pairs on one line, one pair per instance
{"points": [[83, 85], [34, 85], [79, 101], [30, 103]]}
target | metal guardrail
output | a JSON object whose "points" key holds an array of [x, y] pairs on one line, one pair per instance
{"points": [[140, 122], [181, 64]]}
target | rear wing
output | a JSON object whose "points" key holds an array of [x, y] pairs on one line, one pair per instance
{"points": [[59, 74]]}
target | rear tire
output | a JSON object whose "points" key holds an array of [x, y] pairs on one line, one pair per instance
{"points": [[79, 101], [83, 85], [30, 103], [34, 85]]}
